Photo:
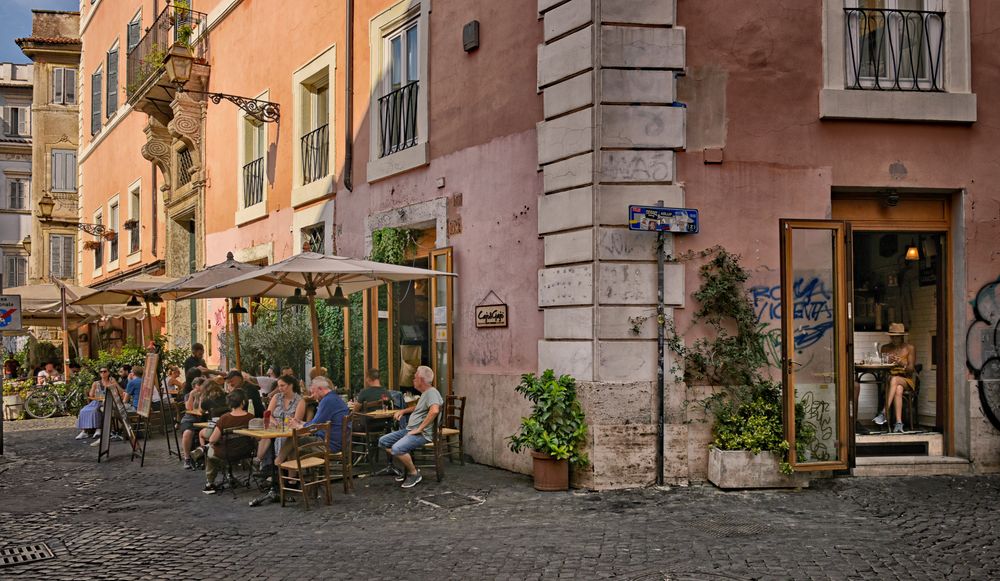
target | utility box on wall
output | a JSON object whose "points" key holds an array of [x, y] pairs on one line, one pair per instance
{"points": [[470, 36]]}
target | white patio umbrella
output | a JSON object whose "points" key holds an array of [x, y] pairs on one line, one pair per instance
{"points": [[315, 276], [128, 292]]}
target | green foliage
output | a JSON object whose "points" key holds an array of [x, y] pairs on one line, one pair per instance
{"points": [[557, 424], [274, 340], [748, 409], [389, 245], [331, 340], [17, 386]]}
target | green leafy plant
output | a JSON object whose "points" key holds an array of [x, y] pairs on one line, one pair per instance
{"points": [[557, 423], [390, 245], [17, 386], [277, 338], [747, 411]]}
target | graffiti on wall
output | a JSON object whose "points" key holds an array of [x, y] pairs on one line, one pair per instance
{"points": [[982, 352], [813, 312]]}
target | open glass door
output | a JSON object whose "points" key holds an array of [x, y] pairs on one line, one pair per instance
{"points": [[441, 290], [815, 355]]}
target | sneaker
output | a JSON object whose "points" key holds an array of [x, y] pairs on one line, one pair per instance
{"points": [[270, 497], [117, 438], [95, 443], [197, 453], [82, 435], [879, 419], [97, 433], [412, 480], [188, 464], [211, 488], [898, 428]]}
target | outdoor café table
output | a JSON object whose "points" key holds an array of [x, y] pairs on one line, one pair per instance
{"points": [[879, 371], [380, 414], [266, 435], [202, 425]]}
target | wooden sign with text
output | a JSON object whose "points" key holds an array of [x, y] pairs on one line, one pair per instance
{"points": [[491, 316], [148, 385]]}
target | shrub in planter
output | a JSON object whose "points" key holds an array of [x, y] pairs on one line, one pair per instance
{"points": [[556, 430]]}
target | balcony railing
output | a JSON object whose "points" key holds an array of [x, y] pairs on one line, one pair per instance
{"points": [[894, 50], [315, 154], [175, 25], [253, 182], [397, 113]]}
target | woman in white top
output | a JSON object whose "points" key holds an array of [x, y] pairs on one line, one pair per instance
{"points": [[285, 404]]}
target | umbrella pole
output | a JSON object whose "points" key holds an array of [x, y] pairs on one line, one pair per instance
{"points": [[315, 330], [65, 330], [236, 341], [229, 331], [149, 318]]}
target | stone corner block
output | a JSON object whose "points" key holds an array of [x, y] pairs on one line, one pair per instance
{"points": [[569, 323], [565, 210], [569, 247], [655, 12], [565, 136], [575, 358], [568, 285], [639, 47], [642, 126]]}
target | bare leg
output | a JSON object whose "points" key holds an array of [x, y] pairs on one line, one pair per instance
{"points": [[262, 449], [186, 439], [897, 391], [407, 463]]}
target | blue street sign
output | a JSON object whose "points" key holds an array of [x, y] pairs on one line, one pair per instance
{"points": [[657, 219]]}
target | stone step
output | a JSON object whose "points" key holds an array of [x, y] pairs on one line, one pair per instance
{"points": [[933, 441], [910, 466]]}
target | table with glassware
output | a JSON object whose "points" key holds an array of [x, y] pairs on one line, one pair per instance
{"points": [[879, 371]]}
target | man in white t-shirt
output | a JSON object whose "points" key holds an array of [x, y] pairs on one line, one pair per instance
{"points": [[418, 431]]}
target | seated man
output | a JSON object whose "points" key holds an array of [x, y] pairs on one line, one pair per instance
{"points": [[235, 380], [217, 452], [331, 409], [903, 356], [373, 390], [134, 386], [418, 431]]}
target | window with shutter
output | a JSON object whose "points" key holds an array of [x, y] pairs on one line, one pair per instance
{"points": [[16, 121], [15, 271], [63, 170], [99, 251], [58, 95], [64, 86], [95, 102], [68, 256], [134, 30], [70, 86], [113, 225], [112, 76], [56, 255], [17, 198]]}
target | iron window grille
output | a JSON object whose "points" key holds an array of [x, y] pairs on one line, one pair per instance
{"points": [[315, 154], [184, 166], [895, 50], [398, 119], [253, 182]]}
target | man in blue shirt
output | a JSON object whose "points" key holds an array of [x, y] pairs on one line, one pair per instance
{"points": [[134, 386], [331, 408]]}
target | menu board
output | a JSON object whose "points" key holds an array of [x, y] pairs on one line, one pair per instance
{"points": [[148, 385]]}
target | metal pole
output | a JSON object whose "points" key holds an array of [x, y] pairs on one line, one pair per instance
{"points": [[65, 330], [659, 353], [3, 378], [236, 338]]}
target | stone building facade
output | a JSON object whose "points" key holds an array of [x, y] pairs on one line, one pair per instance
{"points": [[15, 170]]}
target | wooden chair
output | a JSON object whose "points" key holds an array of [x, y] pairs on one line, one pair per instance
{"points": [[345, 458], [311, 465], [230, 441], [366, 431], [432, 454], [910, 397], [454, 418]]}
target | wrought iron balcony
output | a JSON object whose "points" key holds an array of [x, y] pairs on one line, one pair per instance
{"points": [[174, 25], [894, 50], [253, 182], [315, 154], [397, 113]]}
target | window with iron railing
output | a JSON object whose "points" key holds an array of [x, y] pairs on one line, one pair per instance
{"points": [[398, 119], [894, 45], [184, 165], [315, 237], [99, 248], [113, 225], [253, 182], [315, 154]]}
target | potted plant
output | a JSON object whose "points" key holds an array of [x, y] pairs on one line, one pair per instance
{"points": [[92, 244], [748, 447], [130, 224], [555, 432]]}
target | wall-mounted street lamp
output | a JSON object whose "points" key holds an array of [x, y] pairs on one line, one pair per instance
{"points": [[26, 244], [178, 65], [45, 207]]}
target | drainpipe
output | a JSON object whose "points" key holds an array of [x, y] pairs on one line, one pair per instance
{"points": [[154, 225], [349, 102], [660, 340]]}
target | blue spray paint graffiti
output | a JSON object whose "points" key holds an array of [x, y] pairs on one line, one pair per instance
{"points": [[813, 310]]}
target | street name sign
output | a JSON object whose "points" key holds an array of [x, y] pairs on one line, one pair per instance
{"points": [[10, 312], [658, 219]]}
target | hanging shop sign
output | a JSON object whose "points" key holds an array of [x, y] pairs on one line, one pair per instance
{"points": [[493, 315], [657, 219], [10, 312]]}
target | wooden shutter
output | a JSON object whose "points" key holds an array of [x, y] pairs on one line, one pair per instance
{"points": [[95, 103], [69, 86], [23, 123], [55, 255], [69, 256], [112, 72], [133, 33]]}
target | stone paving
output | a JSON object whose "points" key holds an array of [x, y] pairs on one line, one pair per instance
{"points": [[115, 520]]}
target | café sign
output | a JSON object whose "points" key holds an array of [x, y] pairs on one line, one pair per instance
{"points": [[489, 316]]}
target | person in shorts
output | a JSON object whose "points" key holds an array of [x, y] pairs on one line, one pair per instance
{"points": [[418, 431]]}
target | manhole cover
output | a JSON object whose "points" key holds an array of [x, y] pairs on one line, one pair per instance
{"points": [[734, 528], [682, 576], [24, 554], [451, 500]]}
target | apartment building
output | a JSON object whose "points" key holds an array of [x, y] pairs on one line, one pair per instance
{"points": [[15, 171]]}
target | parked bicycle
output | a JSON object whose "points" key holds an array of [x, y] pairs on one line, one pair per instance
{"points": [[45, 400]]}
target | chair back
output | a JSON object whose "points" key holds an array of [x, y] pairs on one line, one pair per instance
{"points": [[319, 448], [454, 412], [233, 442]]}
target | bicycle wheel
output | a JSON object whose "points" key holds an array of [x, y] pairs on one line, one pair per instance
{"points": [[41, 404]]}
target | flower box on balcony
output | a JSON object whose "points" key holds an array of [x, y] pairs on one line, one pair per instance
{"points": [[92, 244], [130, 224], [110, 235]]}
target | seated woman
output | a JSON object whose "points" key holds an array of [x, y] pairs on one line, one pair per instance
{"points": [[903, 356], [90, 417], [213, 404], [285, 404], [172, 383], [192, 414], [219, 452]]}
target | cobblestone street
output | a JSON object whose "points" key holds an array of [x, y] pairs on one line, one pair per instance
{"points": [[119, 521]]}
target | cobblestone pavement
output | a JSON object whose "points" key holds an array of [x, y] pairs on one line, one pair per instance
{"points": [[115, 520]]}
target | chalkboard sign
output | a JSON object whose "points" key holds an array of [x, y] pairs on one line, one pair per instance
{"points": [[104, 449], [148, 385], [117, 406]]}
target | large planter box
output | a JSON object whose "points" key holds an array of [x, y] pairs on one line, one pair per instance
{"points": [[740, 469], [13, 407]]}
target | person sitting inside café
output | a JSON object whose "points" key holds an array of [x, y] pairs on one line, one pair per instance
{"points": [[285, 405], [419, 429], [373, 390], [331, 408], [48, 374], [902, 376], [219, 451]]}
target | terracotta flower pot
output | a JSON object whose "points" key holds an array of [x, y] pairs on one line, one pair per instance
{"points": [[551, 474]]}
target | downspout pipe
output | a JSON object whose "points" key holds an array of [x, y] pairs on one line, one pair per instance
{"points": [[349, 101]]}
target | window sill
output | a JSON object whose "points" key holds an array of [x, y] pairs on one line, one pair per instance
{"points": [[897, 106], [97, 273], [314, 190], [398, 162], [112, 265], [134, 258], [254, 212]]}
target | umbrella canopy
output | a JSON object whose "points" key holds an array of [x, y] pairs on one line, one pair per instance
{"points": [[208, 277], [316, 275], [120, 292], [41, 307], [313, 276]]}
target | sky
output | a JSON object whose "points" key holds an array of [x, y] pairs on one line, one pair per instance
{"points": [[15, 22]]}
